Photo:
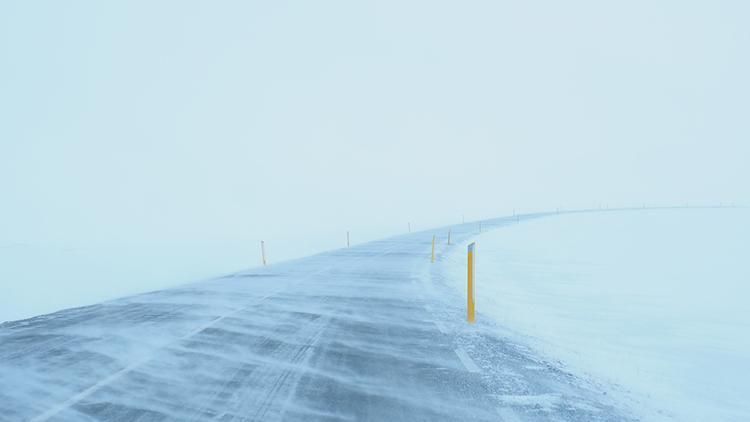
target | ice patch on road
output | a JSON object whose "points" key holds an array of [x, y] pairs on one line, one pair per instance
{"points": [[466, 361], [545, 402]]}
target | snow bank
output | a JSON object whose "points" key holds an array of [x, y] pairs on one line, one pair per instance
{"points": [[654, 302]]}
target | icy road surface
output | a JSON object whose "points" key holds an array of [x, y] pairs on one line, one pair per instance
{"points": [[366, 333]]}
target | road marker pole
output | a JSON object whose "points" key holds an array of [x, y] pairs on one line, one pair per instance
{"points": [[347, 238], [409, 223], [470, 285], [263, 251], [433, 248], [449, 236]]}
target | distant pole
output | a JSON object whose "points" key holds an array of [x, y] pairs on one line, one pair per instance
{"points": [[409, 223], [263, 251], [449, 236], [347, 238], [470, 285], [433, 248]]}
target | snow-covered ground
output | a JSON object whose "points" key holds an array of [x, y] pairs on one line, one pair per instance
{"points": [[652, 302], [38, 278]]}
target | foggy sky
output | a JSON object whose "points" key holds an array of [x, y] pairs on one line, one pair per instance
{"points": [[202, 121]]}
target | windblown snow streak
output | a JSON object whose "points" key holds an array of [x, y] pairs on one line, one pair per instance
{"points": [[364, 333]]}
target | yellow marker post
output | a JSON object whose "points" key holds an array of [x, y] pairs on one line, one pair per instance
{"points": [[263, 251], [433, 248], [470, 285]]}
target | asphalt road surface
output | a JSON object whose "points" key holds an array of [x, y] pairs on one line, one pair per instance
{"points": [[370, 332]]}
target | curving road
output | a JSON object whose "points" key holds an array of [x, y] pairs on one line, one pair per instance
{"points": [[370, 332]]}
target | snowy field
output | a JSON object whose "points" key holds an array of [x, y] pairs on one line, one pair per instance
{"points": [[42, 278], [39, 278], [653, 302]]}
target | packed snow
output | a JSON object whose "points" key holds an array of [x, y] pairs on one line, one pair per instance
{"points": [[651, 302]]}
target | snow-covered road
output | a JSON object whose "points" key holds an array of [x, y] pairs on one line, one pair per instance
{"points": [[373, 332]]}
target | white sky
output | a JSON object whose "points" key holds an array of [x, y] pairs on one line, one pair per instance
{"points": [[146, 121]]}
